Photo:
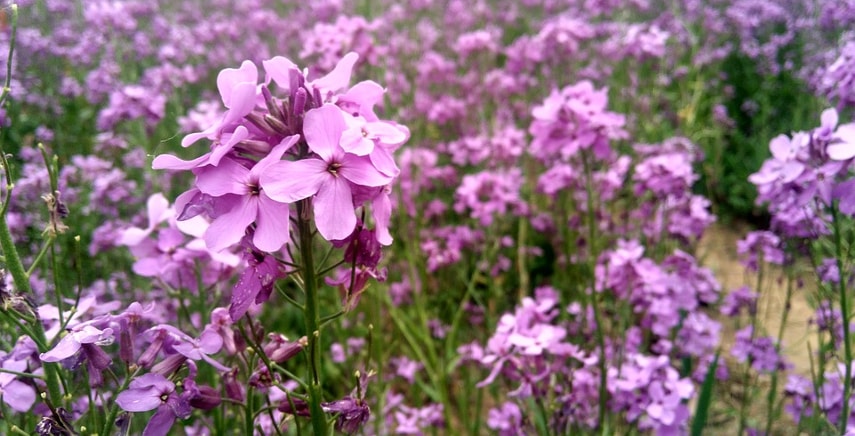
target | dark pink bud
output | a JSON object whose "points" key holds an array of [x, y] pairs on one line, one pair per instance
{"points": [[169, 365], [206, 398], [234, 390]]}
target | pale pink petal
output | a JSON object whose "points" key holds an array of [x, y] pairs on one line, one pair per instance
{"points": [[383, 160], [19, 396], [829, 118], [364, 95], [139, 400], [361, 171], [193, 137], [381, 210], [221, 150], [228, 229], [133, 236], [229, 78], [243, 102], [158, 210], [287, 181], [780, 147], [274, 156], [229, 177], [195, 226], [353, 141], [339, 77], [334, 215], [386, 133], [279, 69], [170, 162], [323, 128], [148, 267], [66, 348], [272, 230], [841, 151]]}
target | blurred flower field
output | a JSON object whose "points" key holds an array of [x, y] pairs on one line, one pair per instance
{"points": [[499, 217]]}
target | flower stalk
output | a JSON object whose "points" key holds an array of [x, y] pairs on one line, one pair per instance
{"points": [[311, 314]]}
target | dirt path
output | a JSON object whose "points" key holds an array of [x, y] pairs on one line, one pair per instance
{"points": [[717, 251]]}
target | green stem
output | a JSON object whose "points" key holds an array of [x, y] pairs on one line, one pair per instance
{"points": [[114, 411], [312, 317], [844, 311], [773, 391], [592, 296]]}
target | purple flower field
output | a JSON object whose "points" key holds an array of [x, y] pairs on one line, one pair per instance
{"points": [[466, 217]]}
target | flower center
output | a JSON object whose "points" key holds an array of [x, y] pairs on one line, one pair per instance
{"points": [[333, 167]]}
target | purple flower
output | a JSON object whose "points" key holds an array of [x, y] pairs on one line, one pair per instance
{"points": [[328, 179], [88, 339], [17, 394], [246, 201], [153, 391]]}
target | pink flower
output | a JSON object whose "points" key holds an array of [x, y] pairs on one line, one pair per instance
{"points": [[328, 178], [247, 202]]}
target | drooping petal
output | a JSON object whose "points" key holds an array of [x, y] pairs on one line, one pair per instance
{"points": [[229, 228], [361, 171], [383, 160], [381, 210], [170, 162], [274, 156], [160, 422], [334, 215], [238, 135], [66, 348], [193, 137], [140, 400], [229, 177], [287, 181], [323, 128], [273, 223]]}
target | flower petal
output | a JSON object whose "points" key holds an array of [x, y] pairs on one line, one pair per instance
{"points": [[279, 69], [339, 77], [334, 215], [229, 78], [170, 162], [19, 396], [160, 422], [287, 181], [381, 210], [361, 171], [384, 161], [238, 135], [229, 228], [322, 128], [66, 348], [229, 177], [272, 230], [139, 400], [274, 156]]}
